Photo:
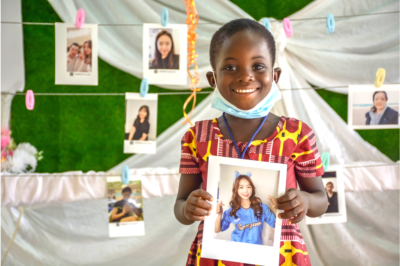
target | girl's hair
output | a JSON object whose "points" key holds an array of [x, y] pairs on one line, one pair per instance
{"points": [[235, 26], [255, 202], [373, 109], [148, 113], [329, 183], [171, 54], [88, 58]]}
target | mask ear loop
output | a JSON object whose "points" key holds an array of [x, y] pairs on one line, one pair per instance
{"points": [[215, 80]]}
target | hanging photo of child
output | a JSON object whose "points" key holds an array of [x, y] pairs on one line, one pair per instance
{"points": [[374, 108], [140, 123], [243, 226], [164, 54], [76, 54], [334, 188], [125, 207]]}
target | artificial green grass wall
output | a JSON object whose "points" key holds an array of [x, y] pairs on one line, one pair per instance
{"points": [[85, 133]]}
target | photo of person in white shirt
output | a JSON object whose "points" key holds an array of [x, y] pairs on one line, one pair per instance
{"points": [[72, 55]]}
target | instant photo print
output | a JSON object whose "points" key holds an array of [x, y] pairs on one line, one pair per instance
{"points": [[76, 54], [334, 188], [140, 123], [125, 207], [256, 181], [374, 108], [164, 54]]}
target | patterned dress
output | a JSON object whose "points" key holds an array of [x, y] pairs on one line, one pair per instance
{"points": [[292, 143]]}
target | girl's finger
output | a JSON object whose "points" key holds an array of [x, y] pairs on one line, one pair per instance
{"points": [[194, 217], [200, 203], [289, 214], [289, 204], [297, 219], [198, 211]]}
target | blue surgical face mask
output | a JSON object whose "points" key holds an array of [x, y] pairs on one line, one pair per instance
{"points": [[260, 110]]}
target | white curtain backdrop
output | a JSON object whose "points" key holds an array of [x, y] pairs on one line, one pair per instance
{"points": [[351, 55]]}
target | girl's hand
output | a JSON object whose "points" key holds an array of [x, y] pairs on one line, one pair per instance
{"points": [[295, 205], [219, 210], [274, 204], [196, 206]]}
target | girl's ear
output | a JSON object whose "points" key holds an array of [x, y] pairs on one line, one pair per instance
{"points": [[210, 78], [277, 74]]}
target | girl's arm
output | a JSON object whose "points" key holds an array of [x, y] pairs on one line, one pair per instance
{"points": [[219, 211], [144, 136], [115, 216], [191, 204], [133, 129], [311, 200]]}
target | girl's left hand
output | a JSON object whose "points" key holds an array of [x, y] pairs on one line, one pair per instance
{"points": [[295, 205]]}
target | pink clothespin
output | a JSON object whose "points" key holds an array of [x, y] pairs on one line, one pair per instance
{"points": [[80, 18]]}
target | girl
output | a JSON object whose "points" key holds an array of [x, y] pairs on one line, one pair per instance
{"points": [[165, 57], [380, 113], [242, 55], [141, 126], [88, 55], [80, 65], [332, 198], [247, 213]]}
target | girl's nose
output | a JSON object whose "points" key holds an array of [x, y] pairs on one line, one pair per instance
{"points": [[245, 76]]}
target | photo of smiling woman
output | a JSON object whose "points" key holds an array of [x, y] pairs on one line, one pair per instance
{"points": [[247, 212], [141, 126], [381, 113], [164, 56]]}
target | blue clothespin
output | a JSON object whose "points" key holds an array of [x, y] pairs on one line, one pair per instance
{"points": [[267, 24], [325, 158], [125, 175], [144, 87], [164, 17], [330, 23]]}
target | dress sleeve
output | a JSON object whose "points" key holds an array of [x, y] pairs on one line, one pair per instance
{"points": [[226, 220], [307, 161], [189, 161], [146, 128], [268, 216]]}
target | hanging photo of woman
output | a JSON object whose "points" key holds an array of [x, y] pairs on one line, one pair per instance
{"points": [[247, 212], [165, 54], [332, 198], [373, 108], [140, 123]]}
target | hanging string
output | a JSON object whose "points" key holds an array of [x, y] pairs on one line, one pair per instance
{"points": [[191, 21], [205, 23], [21, 209]]}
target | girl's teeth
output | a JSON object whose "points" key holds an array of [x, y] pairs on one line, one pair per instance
{"points": [[245, 91]]}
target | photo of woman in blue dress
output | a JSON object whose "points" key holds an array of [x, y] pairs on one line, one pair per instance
{"points": [[246, 212]]}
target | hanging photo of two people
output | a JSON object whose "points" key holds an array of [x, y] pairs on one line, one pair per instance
{"points": [[243, 226]]}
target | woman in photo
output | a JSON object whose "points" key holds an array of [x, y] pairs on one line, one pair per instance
{"points": [[141, 126], [332, 198], [87, 46], [380, 113], [80, 65], [165, 57], [247, 212]]}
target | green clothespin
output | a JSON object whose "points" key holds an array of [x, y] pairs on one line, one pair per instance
{"points": [[325, 158]]}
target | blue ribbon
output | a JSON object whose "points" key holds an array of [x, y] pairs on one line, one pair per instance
{"points": [[144, 87], [164, 16], [330, 23], [125, 175], [267, 24], [325, 158]]}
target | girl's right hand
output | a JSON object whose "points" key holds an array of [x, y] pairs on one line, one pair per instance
{"points": [[196, 206], [219, 209]]}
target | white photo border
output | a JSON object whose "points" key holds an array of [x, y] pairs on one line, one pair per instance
{"points": [[142, 147], [358, 88], [330, 218], [128, 228], [166, 76], [234, 251], [62, 76]]}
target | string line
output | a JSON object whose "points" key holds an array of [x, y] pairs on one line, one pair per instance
{"points": [[201, 23]]}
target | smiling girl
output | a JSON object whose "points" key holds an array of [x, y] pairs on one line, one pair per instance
{"points": [[141, 126], [242, 55], [165, 57], [247, 213], [381, 113]]}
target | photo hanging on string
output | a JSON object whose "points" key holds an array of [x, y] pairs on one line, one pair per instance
{"points": [[237, 233], [140, 123], [374, 108], [334, 188], [125, 207], [76, 54], [165, 54]]}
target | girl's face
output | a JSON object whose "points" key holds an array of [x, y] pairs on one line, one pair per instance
{"points": [[244, 70], [88, 50], [245, 190], [380, 100], [142, 113], [164, 45], [329, 188]]}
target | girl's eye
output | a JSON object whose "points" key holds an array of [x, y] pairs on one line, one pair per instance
{"points": [[258, 67], [230, 68]]}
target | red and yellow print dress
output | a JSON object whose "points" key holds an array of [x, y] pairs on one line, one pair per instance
{"points": [[292, 143]]}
